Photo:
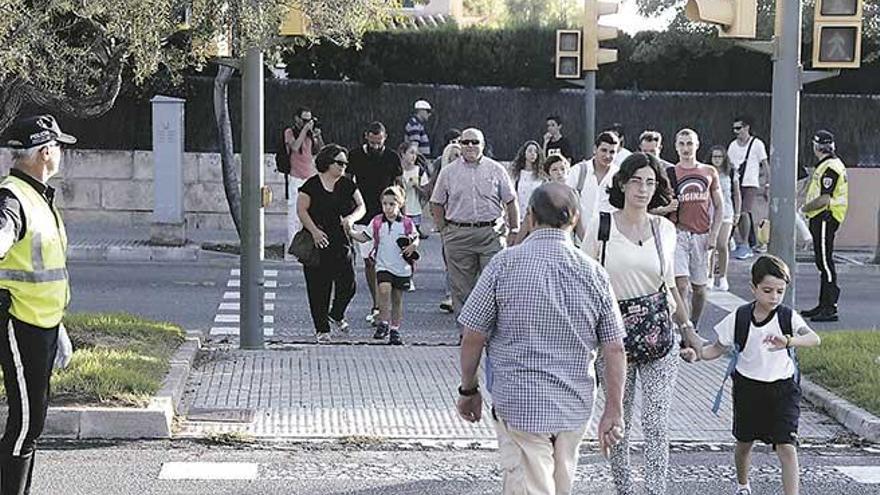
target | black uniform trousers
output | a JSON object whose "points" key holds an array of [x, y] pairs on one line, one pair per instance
{"points": [[334, 274], [824, 227], [27, 354]]}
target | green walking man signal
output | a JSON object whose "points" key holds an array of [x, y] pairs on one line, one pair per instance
{"points": [[837, 34]]}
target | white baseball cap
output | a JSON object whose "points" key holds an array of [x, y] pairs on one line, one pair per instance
{"points": [[422, 105]]}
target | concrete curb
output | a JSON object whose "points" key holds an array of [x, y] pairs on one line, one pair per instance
{"points": [[854, 418], [153, 421], [103, 252]]}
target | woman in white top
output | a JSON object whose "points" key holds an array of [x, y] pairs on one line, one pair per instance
{"points": [[728, 178], [451, 152], [527, 174], [633, 263]]}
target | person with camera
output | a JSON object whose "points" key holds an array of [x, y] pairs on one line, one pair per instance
{"points": [[301, 142], [394, 242]]}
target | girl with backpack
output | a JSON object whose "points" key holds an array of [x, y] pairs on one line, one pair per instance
{"points": [[729, 182], [637, 250], [415, 182], [394, 241]]}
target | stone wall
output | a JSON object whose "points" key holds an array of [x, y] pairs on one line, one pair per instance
{"points": [[115, 188]]}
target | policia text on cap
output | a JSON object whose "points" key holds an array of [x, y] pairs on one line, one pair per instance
{"points": [[825, 206], [33, 292]]}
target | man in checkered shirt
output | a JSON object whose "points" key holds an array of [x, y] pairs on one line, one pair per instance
{"points": [[541, 309]]}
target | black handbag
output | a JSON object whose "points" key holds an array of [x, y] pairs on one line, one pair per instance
{"points": [[303, 247], [647, 318]]}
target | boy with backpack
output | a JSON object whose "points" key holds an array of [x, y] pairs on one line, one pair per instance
{"points": [[763, 335], [395, 240]]}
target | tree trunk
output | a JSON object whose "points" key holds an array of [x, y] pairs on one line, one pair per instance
{"points": [[231, 181], [876, 259]]}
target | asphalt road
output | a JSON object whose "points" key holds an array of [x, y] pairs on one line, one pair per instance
{"points": [[128, 468], [189, 294]]}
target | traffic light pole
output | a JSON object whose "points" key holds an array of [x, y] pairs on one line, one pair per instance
{"points": [[251, 261], [785, 118], [589, 110]]}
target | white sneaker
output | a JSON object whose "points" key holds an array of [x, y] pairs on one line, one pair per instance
{"points": [[710, 284], [723, 286], [372, 316], [743, 491], [412, 286], [323, 338], [341, 325]]}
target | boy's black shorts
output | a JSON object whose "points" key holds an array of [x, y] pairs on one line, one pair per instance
{"points": [[766, 411], [399, 283]]}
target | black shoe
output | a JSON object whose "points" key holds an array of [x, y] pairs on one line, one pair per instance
{"points": [[394, 338], [381, 331], [826, 316], [809, 313]]}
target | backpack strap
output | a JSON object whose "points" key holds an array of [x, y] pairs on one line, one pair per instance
{"points": [[604, 233], [742, 166], [376, 226], [742, 322], [582, 177], [783, 316], [408, 226]]}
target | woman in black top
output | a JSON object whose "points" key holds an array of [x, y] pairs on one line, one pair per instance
{"points": [[328, 205]]}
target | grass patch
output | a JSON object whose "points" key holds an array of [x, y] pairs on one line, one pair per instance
{"points": [[847, 363], [119, 359]]}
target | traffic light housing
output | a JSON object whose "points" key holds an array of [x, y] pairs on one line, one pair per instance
{"points": [[734, 18], [568, 54], [837, 34], [295, 23], [593, 55]]}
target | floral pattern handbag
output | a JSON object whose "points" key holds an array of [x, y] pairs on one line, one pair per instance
{"points": [[647, 318]]}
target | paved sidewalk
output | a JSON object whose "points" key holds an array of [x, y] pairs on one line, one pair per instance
{"points": [[408, 393]]}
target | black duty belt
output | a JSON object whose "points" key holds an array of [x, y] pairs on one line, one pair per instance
{"points": [[472, 224]]}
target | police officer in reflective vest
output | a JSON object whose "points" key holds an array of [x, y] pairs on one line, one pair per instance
{"points": [[825, 207], [33, 292]]}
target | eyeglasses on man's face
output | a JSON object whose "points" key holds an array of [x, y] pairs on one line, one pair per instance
{"points": [[470, 142]]}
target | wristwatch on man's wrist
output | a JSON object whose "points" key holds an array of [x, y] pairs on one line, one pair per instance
{"points": [[469, 391]]}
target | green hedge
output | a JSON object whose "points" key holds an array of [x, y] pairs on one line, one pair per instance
{"points": [[523, 57]]}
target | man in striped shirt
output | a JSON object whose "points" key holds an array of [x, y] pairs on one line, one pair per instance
{"points": [[415, 127], [542, 309]]}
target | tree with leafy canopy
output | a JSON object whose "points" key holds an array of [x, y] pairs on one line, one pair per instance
{"points": [[70, 56]]}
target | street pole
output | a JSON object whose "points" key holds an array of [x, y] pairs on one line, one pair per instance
{"points": [[251, 323], [589, 110], [785, 118]]}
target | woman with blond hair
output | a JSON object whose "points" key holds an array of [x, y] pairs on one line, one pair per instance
{"points": [[451, 152]]}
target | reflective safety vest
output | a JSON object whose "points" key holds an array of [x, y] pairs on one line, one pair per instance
{"points": [[840, 194], [34, 270]]}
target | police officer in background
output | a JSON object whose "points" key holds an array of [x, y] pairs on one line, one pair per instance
{"points": [[825, 206], [33, 292]]}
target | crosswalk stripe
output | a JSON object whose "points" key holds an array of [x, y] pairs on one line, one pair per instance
{"points": [[224, 330], [271, 284], [236, 272], [232, 295], [268, 319], [869, 475], [209, 471], [233, 283], [233, 318], [268, 307], [233, 306], [267, 331], [727, 301], [269, 296]]}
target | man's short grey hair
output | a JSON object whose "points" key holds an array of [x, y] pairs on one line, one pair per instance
{"points": [[475, 131], [25, 154], [554, 205]]}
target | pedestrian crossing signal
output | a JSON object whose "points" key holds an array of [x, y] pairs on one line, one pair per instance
{"points": [[568, 54], [734, 18], [837, 34]]}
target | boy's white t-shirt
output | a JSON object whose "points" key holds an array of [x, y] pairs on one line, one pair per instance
{"points": [[389, 256], [413, 205], [757, 361]]}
